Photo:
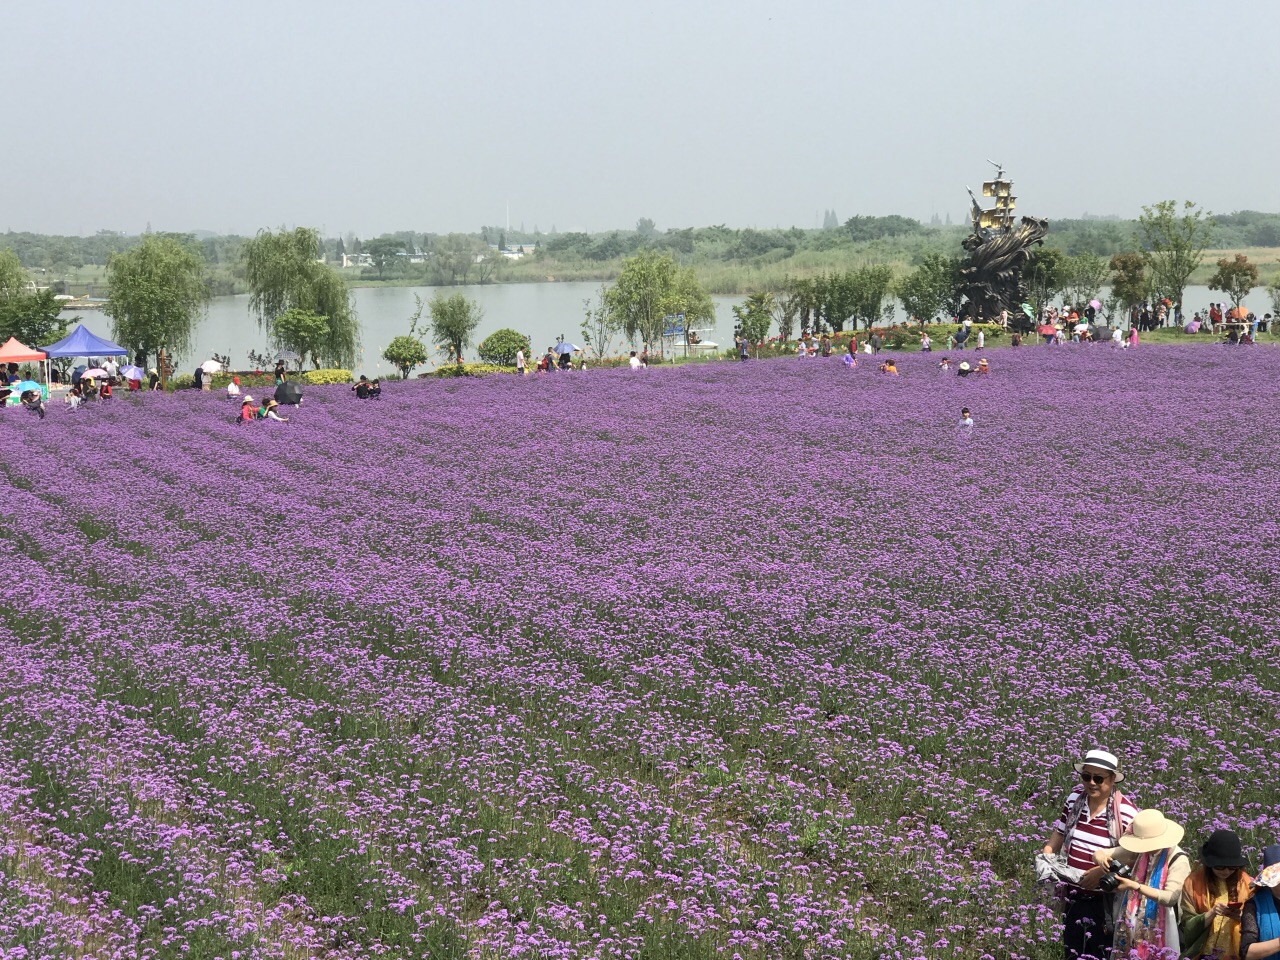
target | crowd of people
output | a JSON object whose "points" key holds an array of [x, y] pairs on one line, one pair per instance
{"points": [[556, 358], [1128, 889], [96, 381]]}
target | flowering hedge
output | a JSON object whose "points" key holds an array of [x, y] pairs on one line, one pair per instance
{"points": [[701, 663], [325, 376]]}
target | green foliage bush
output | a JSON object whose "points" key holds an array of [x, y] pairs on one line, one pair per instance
{"points": [[181, 381], [405, 352], [899, 337], [468, 370], [317, 378], [500, 347]]}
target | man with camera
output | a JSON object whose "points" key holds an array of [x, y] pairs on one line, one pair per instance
{"points": [[1093, 818]]}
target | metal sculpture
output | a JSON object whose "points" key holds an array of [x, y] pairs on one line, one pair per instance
{"points": [[998, 249]]}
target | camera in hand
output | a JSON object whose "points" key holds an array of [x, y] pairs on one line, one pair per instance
{"points": [[1111, 879]]}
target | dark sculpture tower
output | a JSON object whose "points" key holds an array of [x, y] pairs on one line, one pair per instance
{"points": [[998, 249]]}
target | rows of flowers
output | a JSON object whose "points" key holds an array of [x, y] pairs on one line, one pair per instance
{"points": [[732, 660]]}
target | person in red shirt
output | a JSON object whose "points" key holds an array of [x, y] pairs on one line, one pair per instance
{"points": [[246, 409], [1093, 818]]}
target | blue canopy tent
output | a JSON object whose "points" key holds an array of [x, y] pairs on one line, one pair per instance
{"points": [[81, 343]]}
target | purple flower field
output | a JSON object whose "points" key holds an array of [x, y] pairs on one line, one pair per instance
{"points": [[763, 660]]}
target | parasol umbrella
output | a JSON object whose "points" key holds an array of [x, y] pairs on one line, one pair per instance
{"points": [[94, 374], [1026, 308], [133, 373], [1096, 304], [289, 393], [564, 346], [1237, 313], [22, 386], [1046, 329], [211, 366], [288, 356]]}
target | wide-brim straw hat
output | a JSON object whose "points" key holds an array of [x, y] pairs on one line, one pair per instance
{"points": [[1102, 760], [1151, 830]]}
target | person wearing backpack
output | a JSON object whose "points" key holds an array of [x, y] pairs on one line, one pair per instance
{"points": [[1094, 817], [1147, 899]]}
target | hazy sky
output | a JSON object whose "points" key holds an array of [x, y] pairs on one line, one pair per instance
{"points": [[378, 116]]}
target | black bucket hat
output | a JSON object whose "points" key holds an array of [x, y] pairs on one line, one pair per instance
{"points": [[1223, 849]]}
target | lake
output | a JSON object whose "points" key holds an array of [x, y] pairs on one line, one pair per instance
{"points": [[541, 310], [544, 311]]}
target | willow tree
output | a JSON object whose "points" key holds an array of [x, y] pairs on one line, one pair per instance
{"points": [[283, 275], [158, 293], [651, 287], [13, 278]]}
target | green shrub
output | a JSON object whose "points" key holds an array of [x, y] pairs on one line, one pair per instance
{"points": [[500, 347], [405, 353], [181, 381], [318, 378], [468, 370]]}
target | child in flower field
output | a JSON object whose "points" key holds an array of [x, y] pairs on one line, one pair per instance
{"points": [[966, 420], [944, 364], [889, 367]]}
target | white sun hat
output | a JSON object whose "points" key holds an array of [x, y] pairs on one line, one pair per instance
{"points": [[1103, 761]]}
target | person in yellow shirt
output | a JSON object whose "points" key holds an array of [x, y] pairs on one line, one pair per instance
{"points": [[1212, 899]]}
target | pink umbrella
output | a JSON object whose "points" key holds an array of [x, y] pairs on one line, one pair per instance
{"points": [[1096, 304]]}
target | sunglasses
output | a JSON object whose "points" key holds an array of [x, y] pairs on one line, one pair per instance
{"points": [[1098, 778]]}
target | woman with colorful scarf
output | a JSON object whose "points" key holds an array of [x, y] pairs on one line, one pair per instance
{"points": [[1143, 909], [1212, 898], [1260, 921]]}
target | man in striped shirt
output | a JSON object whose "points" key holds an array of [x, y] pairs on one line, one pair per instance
{"points": [[1094, 817]]}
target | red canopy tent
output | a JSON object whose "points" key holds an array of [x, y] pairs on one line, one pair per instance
{"points": [[14, 352]]}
